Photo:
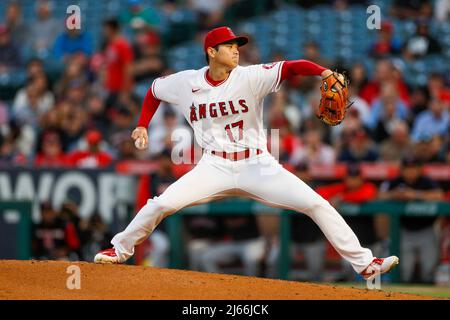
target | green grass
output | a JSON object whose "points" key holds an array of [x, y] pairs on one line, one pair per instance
{"points": [[417, 289]]}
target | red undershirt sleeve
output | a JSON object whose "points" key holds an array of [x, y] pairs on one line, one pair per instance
{"points": [[300, 68], [149, 107]]}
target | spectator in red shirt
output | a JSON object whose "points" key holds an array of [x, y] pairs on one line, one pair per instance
{"points": [[53, 237], [118, 60], [93, 157], [437, 89], [353, 189], [384, 73], [386, 45], [51, 153]]}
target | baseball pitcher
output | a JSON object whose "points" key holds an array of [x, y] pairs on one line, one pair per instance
{"points": [[223, 102]]}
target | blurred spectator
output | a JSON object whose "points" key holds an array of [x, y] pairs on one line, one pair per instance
{"points": [[203, 232], [287, 142], [69, 212], [435, 121], [73, 76], [359, 148], [417, 234], [44, 31], [50, 120], [94, 235], [137, 15], [158, 252], [308, 110], [354, 189], [51, 153], [70, 42], [410, 9], [437, 88], [72, 123], [242, 242], [28, 109], [210, 14], [340, 135], [165, 137], [10, 56], [118, 61], [13, 20], [429, 149], [313, 151], [442, 10], [359, 105], [9, 151], [422, 43], [148, 63], [35, 67], [283, 117], [359, 109], [119, 139], [122, 123], [96, 113], [249, 54], [384, 73], [419, 102], [385, 111], [276, 116], [398, 144], [126, 149], [93, 157], [342, 5], [31, 102], [311, 52], [386, 45], [4, 117], [54, 238], [358, 78]]}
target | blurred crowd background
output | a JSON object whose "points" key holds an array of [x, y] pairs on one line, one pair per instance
{"points": [[70, 99]]}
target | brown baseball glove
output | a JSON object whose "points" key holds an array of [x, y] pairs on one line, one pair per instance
{"points": [[334, 101]]}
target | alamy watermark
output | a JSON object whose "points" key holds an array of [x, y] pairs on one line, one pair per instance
{"points": [[374, 20], [73, 281], [73, 22], [219, 141], [375, 283]]}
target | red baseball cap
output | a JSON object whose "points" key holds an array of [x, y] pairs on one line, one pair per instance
{"points": [[93, 136], [387, 26], [220, 35]]}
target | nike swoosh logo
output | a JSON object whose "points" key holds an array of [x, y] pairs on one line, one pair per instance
{"points": [[195, 90]]}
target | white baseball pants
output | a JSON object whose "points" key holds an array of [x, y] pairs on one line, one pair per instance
{"points": [[260, 177]]}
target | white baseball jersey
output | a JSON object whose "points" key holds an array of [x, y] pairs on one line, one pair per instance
{"points": [[227, 117]]}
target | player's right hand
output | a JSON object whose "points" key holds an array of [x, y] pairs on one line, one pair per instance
{"points": [[140, 137]]}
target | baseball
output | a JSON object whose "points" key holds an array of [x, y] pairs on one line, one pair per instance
{"points": [[140, 143]]}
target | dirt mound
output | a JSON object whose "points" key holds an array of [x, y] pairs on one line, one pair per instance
{"points": [[48, 280]]}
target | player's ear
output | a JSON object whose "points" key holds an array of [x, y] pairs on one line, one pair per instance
{"points": [[211, 52]]}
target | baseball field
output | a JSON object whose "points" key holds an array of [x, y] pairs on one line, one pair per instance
{"points": [[59, 280]]}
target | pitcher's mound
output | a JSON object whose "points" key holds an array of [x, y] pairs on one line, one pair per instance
{"points": [[50, 280]]}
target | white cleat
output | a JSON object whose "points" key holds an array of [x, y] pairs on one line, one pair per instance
{"points": [[107, 256], [379, 266]]}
